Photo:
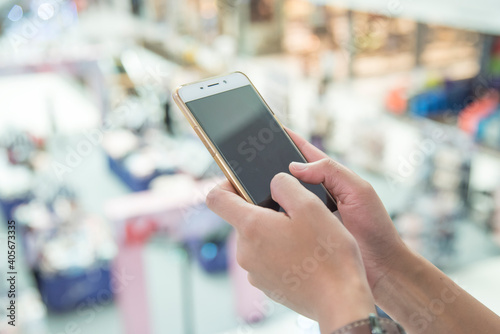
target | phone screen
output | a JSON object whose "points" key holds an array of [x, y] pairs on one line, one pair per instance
{"points": [[251, 142]]}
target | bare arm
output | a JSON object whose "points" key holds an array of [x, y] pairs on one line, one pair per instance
{"points": [[425, 300]]}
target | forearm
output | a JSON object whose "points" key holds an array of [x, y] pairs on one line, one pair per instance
{"points": [[424, 300]]}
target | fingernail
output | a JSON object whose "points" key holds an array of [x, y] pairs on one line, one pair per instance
{"points": [[298, 165]]}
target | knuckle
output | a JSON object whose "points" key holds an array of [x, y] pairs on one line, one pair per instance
{"points": [[366, 188], [212, 198], [242, 260], [251, 279], [329, 164]]}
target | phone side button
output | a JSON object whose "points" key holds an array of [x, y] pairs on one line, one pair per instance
{"points": [[212, 153], [204, 140]]}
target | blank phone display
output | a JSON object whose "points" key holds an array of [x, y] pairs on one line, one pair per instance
{"points": [[251, 142]]}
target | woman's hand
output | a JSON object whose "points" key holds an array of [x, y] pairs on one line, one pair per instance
{"points": [[362, 211], [305, 259]]}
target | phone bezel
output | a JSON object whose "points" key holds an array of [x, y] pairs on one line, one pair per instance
{"points": [[193, 91], [212, 86]]}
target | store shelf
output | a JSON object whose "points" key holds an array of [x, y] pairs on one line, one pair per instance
{"points": [[479, 15]]}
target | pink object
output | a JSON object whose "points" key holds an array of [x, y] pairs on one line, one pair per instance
{"points": [[129, 285], [134, 218]]}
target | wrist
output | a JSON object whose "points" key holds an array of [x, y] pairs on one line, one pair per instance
{"points": [[346, 303], [401, 291], [404, 264]]}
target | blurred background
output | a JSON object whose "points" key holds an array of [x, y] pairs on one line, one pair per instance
{"points": [[106, 181]]}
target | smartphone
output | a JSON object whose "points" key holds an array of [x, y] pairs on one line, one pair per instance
{"points": [[243, 136]]}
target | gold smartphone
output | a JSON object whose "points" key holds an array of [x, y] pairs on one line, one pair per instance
{"points": [[243, 136]]}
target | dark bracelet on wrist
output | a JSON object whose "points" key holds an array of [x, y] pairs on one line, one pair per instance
{"points": [[371, 325]]}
